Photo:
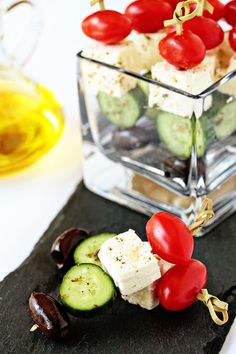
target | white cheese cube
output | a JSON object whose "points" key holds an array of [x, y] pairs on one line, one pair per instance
{"points": [[147, 47], [223, 54], [225, 63], [193, 81], [100, 78], [230, 87], [130, 262], [146, 298]]}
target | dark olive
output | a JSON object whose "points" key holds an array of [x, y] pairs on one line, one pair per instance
{"points": [[64, 244], [48, 315], [128, 139]]}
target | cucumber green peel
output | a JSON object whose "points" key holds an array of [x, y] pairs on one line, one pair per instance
{"points": [[179, 134], [175, 133], [86, 290], [87, 250], [124, 111]]}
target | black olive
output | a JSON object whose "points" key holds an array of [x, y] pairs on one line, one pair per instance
{"points": [[128, 139], [48, 315], [64, 244]]}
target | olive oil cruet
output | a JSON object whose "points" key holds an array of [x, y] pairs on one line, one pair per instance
{"points": [[31, 120]]}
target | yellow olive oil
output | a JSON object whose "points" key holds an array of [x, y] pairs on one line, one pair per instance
{"points": [[31, 122]]}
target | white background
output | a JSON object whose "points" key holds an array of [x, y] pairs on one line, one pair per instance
{"points": [[31, 199]]}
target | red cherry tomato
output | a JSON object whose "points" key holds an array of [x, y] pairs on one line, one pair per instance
{"points": [[107, 26], [184, 51], [230, 12], [219, 10], [148, 16], [232, 38], [207, 29], [173, 3], [170, 238], [179, 287]]}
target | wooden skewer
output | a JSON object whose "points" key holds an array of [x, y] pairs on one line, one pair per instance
{"points": [[34, 328]]}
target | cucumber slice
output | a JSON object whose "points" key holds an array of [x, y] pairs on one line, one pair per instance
{"points": [[87, 250], [86, 290], [199, 139], [225, 120], [124, 111], [221, 116], [175, 133], [218, 102], [145, 85], [179, 134], [152, 113], [204, 135]]}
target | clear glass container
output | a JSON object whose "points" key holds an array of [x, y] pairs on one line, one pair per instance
{"points": [[140, 153]]}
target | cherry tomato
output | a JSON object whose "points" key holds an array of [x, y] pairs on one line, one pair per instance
{"points": [[148, 16], [170, 238], [185, 51], [232, 38], [230, 12], [107, 26], [178, 288], [219, 10], [207, 29], [173, 3]]}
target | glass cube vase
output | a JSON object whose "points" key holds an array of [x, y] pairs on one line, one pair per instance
{"points": [[140, 153]]}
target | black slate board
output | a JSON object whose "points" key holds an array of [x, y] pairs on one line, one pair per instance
{"points": [[125, 328]]}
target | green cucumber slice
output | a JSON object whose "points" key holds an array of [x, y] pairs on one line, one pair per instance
{"points": [[175, 133], [124, 111], [225, 120], [218, 102], [204, 135], [179, 134], [144, 85], [86, 290], [221, 116], [87, 250], [150, 112], [199, 139]]}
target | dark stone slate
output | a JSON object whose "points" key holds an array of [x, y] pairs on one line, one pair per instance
{"points": [[124, 328]]}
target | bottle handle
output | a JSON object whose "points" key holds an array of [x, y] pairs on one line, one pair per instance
{"points": [[19, 52]]}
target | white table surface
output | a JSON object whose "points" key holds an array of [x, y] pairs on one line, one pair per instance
{"points": [[31, 199]]}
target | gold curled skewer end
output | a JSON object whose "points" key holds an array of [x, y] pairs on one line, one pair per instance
{"points": [[100, 2], [214, 305], [205, 5], [183, 13], [204, 215]]}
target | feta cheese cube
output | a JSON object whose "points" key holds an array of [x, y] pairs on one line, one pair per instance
{"points": [[99, 78], [147, 47], [225, 63], [223, 54], [230, 87], [193, 81], [146, 298], [130, 262]]}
